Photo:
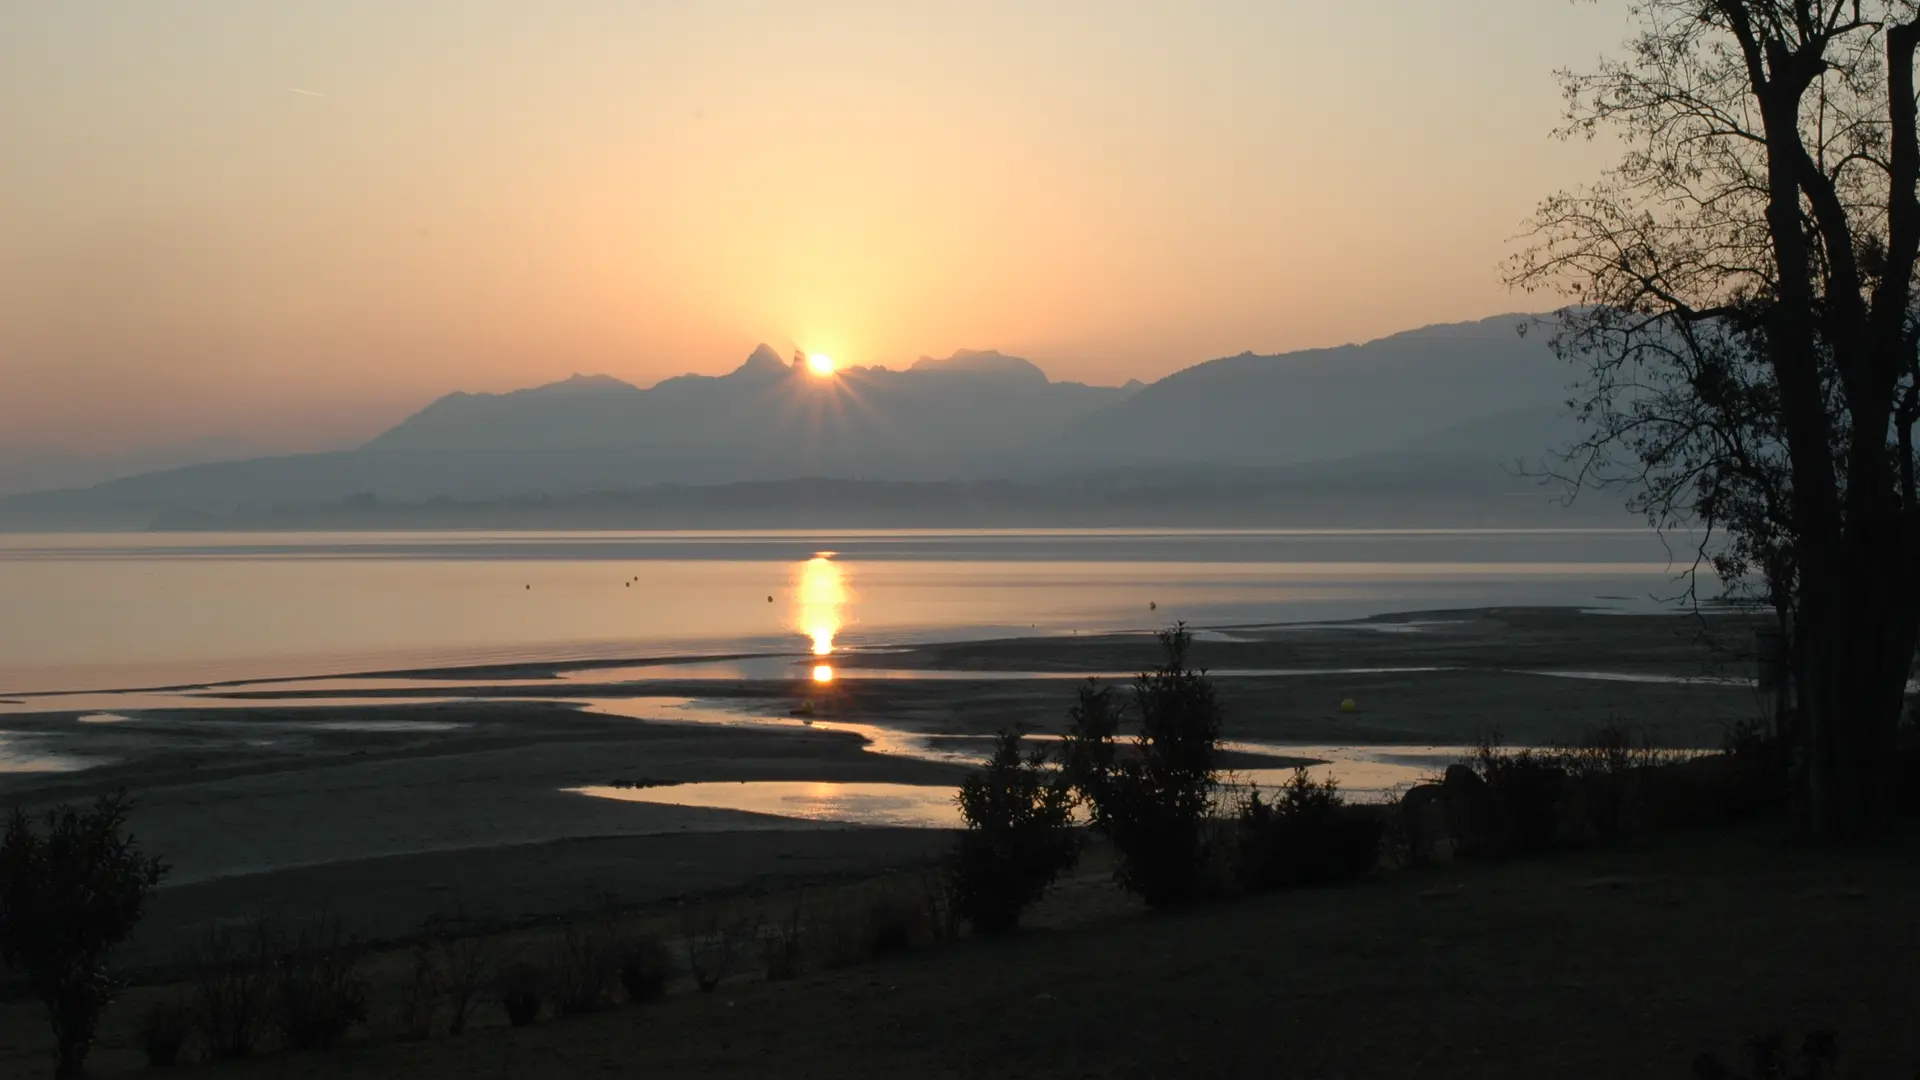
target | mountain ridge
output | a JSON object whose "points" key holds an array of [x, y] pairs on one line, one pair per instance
{"points": [[976, 415]]}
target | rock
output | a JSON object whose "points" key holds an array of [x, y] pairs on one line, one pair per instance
{"points": [[1475, 818], [1424, 816]]}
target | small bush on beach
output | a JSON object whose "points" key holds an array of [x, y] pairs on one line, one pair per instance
{"points": [[318, 993], [1769, 1059], [586, 964], [73, 885], [1307, 835], [645, 968], [894, 925], [1154, 804], [419, 1004], [461, 966], [1605, 766], [1019, 836], [233, 994], [1525, 791], [717, 946], [164, 1028], [521, 988], [781, 946]]}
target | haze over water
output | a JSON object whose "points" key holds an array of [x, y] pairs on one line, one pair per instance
{"points": [[119, 610]]}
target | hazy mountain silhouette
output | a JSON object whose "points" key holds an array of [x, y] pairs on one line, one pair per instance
{"points": [[34, 468], [1448, 404], [1328, 403]]}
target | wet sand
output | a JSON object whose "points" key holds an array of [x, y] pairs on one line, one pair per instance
{"points": [[404, 803]]}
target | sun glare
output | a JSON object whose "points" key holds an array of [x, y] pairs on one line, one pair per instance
{"points": [[822, 593], [823, 673], [820, 364]]}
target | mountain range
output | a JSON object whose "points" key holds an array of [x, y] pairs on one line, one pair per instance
{"points": [[1439, 410]]}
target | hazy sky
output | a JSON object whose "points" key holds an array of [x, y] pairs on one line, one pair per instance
{"points": [[295, 222]]}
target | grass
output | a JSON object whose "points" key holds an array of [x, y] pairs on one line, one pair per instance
{"points": [[1627, 962]]}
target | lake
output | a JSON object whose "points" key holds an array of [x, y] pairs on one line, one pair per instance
{"points": [[147, 609]]}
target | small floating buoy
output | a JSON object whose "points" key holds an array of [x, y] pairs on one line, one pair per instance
{"points": [[1152, 606], [529, 586], [1349, 705], [769, 599]]}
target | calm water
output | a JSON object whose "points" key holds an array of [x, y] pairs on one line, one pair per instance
{"points": [[118, 610]]}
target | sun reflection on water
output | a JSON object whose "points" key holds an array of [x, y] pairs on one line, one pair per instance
{"points": [[823, 593]]}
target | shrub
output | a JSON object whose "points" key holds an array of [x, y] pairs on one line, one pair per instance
{"points": [[1153, 804], [715, 950], [780, 947], [645, 968], [1019, 836], [585, 965], [318, 992], [1527, 791], [1307, 835], [420, 997], [68, 896], [463, 966], [234, 991], [1769, 1059], [1607, 768], [894, 925], [163, 1032], [942, 907], [522, 992]]}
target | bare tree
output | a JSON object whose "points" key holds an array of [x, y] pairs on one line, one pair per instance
{"points": [[1743, 301]]}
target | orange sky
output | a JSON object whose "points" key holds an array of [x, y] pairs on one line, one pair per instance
{"points": [[294, 223]]}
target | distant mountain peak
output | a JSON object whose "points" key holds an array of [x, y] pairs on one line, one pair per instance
{"points": [[584, 384], [981, 362], [762, 361]]}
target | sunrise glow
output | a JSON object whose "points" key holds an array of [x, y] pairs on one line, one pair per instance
{"points": [[820, 364], [823, 673]]}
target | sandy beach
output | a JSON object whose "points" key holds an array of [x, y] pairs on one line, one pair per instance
{"points": [[389, 798]]}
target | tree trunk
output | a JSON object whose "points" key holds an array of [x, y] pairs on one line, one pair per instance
{"points": [[1860, 654]]}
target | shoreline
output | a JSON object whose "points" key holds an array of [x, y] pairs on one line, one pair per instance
{"points": [[243, 788]]}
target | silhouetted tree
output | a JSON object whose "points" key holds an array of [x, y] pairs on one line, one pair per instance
{"points": [[1153, 803], [1019, 836], [68, 895], [1744, 304]]}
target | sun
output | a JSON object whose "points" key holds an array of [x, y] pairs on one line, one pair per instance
{"points": [[820, 364]]}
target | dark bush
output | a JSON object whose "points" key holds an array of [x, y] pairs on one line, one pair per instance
{"points": [[163, 1032], [1154, 803], [1307, 835], [522, 992], [234, 990], [1019, 836], [586, 964], [1528, 791], [318, 993], [1769, 1059], [894, 925], [463, 966], [68, 895], [1605, 767], [419, 1003], [716, 947], [780, 947], [645, 968]]}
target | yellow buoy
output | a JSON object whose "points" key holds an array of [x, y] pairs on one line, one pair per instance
{"points": [[1349, 705]]}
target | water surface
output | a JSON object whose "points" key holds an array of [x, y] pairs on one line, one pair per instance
{"points": [[94, 611]]}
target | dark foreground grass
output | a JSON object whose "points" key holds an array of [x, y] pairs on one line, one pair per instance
{"points": [[1623, 964]]}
